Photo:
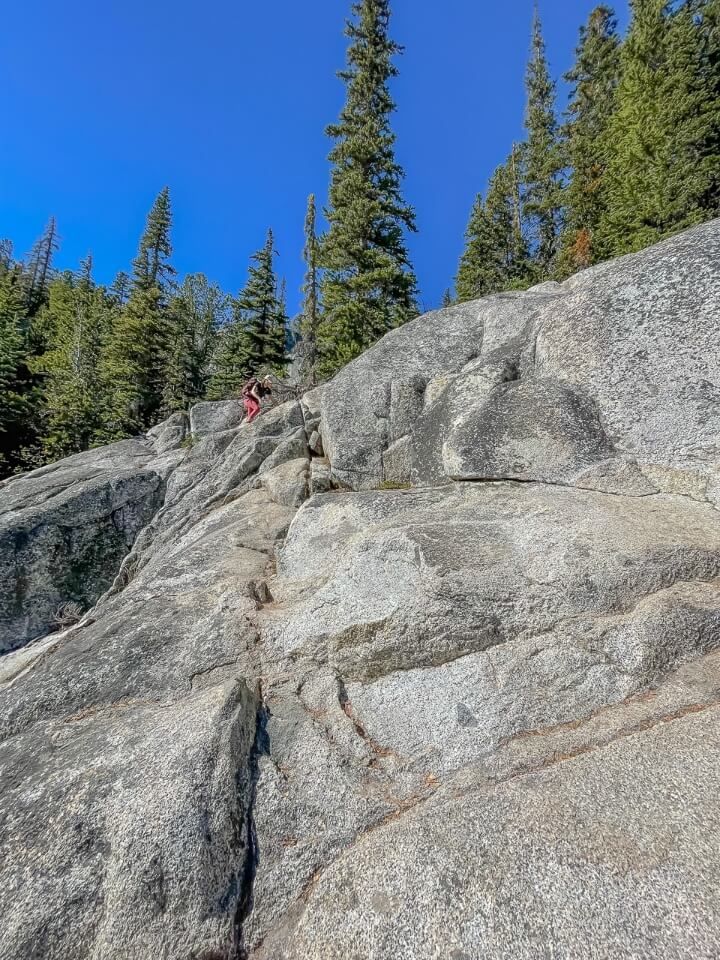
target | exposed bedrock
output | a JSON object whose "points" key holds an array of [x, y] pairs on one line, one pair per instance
{"points": [[425, 665]]}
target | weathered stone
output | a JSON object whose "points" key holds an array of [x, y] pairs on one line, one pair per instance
{"points": [[458, 720], [208, 418], [622, 357], [64, 532], [171, 433], [287, 484], [315, 443], [321, 480]]}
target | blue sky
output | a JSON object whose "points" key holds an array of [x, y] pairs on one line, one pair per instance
{"points": [[226, 101]]}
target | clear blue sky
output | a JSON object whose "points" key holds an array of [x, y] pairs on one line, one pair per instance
{"points": [[226, 101]]}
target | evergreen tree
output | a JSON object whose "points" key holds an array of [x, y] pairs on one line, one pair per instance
{"points": [[543, 161], [196, 312], [231, 366], [254, 341], [660, 171], [310, 312], [79, 315], [6, 254], [15, 393], [120, 289], [40, 267], [495, 256], [368, 286], [447, 299], [594, 79], [134, 360]]}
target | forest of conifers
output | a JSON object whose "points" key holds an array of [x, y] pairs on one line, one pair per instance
{"points": [[634, 156]]}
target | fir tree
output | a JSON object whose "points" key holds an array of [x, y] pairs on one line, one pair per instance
{"points": [[79, 315], [310, 312], [39, 268], [134, 359], [120, 289], [15, 393], [195, 314], [264, 323], [660, 173], [254, 341], [543, 162], [495, 256], [594, 79], [368, 286], [447, 299]]}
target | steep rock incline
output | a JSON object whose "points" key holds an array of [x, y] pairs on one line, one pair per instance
{"points": [[473, 718], [64, 530]]}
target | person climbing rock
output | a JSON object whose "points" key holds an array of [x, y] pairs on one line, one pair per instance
{"points": [[253, 393]]}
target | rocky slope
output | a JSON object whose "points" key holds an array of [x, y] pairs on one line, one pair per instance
{"points": [[449, 691]]}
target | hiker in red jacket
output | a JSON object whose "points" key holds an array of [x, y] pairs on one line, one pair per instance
{"points": [[252, 393]]}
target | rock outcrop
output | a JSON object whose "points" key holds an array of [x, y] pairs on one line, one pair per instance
{"points": [[425, 665]]}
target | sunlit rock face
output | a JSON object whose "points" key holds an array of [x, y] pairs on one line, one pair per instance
{"points": [[425, 665]]}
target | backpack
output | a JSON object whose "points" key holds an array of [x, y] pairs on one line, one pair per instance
{"points": [[247, 389]]}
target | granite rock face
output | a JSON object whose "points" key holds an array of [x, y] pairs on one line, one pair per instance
{"points": [[425, 665], [619, 363]]}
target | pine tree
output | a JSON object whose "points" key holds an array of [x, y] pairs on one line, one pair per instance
{"points": [[495, 256], [231, 364], [195, 314], [310, 312], [447, 299], [15, 391], [134, 359], [594, 79], [706, 16], [543, 161], [660, 170], [39, 268], [265, 327], [254, 342], [119, 290], [368, 286], [79, 315]]}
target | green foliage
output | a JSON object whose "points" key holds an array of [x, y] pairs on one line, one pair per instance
{"points": [[134, 358], [368, 286], [39, 269], [254, 341], [15, 396], [310, 314], [78, 313], [195, 313], [542, 159], [594, 79], [495, 256], [662, 138]]}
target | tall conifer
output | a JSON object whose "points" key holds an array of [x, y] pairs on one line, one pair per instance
{"points": [[495, 256], [135, 356], [196, 312], [593, 79], [39, 269], [543, 161], [660, 172], [310, 311], [368, 286], [15, 394], [79, 314], [253, 343]]}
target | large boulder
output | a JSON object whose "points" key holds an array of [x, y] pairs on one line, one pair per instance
{"points": [[622, 360], [64, 531]]}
